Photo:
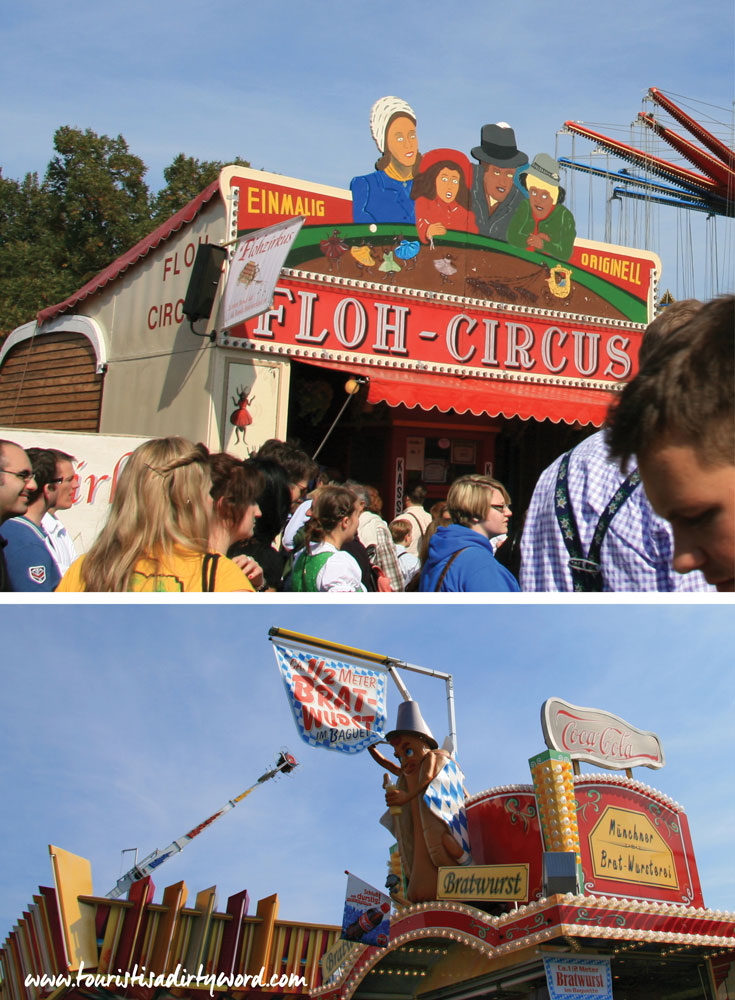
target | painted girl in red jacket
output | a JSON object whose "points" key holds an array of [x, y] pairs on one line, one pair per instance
{"points": [[442, 195]]}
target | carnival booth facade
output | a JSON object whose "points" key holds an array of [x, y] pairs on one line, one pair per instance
{"points": [[428, 322]]}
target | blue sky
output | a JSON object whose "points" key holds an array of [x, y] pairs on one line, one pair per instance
{"points": [[289, 87], [126, 726]]}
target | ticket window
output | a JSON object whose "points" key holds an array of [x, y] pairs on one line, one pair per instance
{"points": [[437, 460]]}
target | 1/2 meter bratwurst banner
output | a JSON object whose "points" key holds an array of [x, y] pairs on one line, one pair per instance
{"points": [[336, 705]]}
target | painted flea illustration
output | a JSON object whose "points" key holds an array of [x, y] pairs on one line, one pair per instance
{"points": [[333, 248], [426, 840], [446, 268], [407, 251], [363, 257], [390, 265], [241, 417], [441, 192], [385, 194], [495, 197], [542, 223]]}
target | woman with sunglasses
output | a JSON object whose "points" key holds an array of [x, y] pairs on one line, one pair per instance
{"points": [[460, 555], [157, 534]]}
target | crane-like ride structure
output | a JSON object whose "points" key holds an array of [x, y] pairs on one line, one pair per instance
{"points": [[285, 763], [712, 190]]}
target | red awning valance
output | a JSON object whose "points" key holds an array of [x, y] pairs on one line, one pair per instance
{"points": [[496, 397]]}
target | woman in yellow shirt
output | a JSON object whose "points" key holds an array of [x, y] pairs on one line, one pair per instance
{"points": [[156, 537]]}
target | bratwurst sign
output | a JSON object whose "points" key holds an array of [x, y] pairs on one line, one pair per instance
{"points": [[336, 705], [598, 737]]}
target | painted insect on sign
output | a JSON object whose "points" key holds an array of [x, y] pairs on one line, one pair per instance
{"points": [[240, 418]]}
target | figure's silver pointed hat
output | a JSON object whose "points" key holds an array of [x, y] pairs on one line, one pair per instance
{"points": [[410, 722]]}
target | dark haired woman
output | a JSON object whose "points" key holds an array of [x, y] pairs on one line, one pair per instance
{"points": [[321, 565], [441, 191], [274, 501]]}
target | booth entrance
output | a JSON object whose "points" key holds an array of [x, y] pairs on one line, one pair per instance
{"points": [[394, 447]]}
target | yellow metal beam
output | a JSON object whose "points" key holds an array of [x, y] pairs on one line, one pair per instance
{"points": [[333, 647]]}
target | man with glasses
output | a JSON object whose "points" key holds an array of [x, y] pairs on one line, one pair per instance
{"points": [[16, 481], [31, 566], [59, 540]]}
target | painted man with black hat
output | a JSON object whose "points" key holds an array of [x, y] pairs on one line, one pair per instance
{"points": [[495, 197]]}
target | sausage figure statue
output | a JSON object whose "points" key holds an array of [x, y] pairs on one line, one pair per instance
{"points": [[426, 840]]}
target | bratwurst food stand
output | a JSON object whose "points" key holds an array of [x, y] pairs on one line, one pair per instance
{"points": [[579, 886]]}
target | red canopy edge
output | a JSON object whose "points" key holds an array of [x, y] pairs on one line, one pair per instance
{"points": [[186, 214], [495, 397]]}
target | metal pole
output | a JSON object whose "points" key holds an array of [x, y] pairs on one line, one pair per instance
{"points": [[360, 381]]}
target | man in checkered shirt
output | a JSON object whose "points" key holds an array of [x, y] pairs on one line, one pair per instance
{"points": [[637, 548]]}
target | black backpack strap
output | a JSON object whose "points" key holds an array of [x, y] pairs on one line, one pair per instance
{"points": [[586, 567], [209, 571]]}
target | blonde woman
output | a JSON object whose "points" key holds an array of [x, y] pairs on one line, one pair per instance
{"points": [[157, 533], [460, 555]]}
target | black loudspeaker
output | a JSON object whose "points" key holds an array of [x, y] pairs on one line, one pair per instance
{"points": [[559, 873], [203, 282]]}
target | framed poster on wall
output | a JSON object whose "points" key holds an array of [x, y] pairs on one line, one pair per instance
{"points": [[251, 405]]}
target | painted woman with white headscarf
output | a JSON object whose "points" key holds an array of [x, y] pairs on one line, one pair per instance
{"points": [[385, 195]]}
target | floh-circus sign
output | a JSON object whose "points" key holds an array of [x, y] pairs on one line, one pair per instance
{"points": [[336, 705], [484, 229], [319, 321]]}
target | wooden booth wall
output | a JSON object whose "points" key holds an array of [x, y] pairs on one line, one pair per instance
{"points": [[51, 382]]}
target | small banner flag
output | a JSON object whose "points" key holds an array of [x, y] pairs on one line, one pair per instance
{"points": [[367, 913], [578, 978], [445, 798], [254, 271], [336, 705]]}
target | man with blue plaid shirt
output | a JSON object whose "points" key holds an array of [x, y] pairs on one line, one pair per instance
{"points": [[636, 550], [590, 527]]}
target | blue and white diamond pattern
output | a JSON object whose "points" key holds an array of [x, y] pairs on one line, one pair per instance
{"points": [[445, 797]]}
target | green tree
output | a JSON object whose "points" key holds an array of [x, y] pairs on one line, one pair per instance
{"points": [[185, 177], [99, 202], [92, 206], [30, 275]]}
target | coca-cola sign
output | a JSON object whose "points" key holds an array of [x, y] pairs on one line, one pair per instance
{"points": [[598, 737]]}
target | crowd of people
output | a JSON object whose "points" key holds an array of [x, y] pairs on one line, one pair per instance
{"points": [[647, 504]]}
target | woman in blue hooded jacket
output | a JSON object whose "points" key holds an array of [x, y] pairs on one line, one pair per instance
{"points": [[460, 555]]}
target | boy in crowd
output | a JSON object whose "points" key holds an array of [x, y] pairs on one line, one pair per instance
{"points": [[409, 564]]}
